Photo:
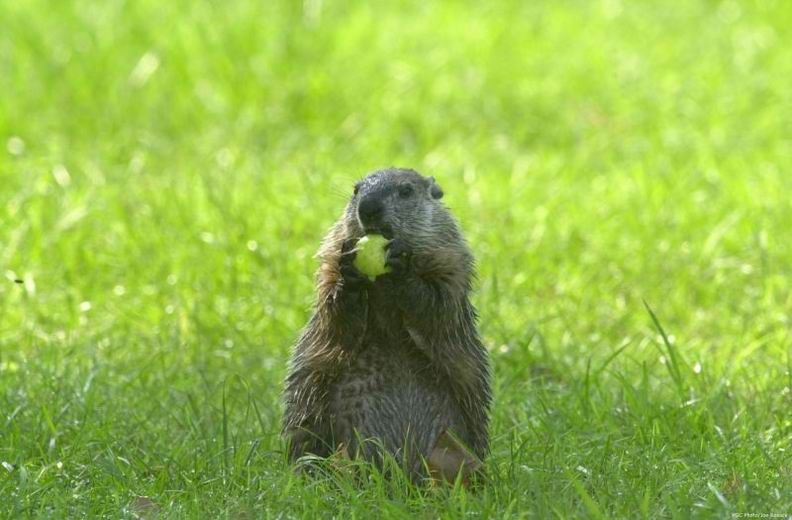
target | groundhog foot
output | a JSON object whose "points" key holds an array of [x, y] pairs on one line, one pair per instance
{"points": [[450, 458], [397, 256], [352, 278]]}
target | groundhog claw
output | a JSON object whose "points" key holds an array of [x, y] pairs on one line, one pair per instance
{"points": [[348, 249]]}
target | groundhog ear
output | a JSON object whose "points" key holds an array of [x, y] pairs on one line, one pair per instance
{"points": [[434, 189]]}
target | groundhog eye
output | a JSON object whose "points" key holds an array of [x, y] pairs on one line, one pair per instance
{"points": [[405, 190], [357, 189]]}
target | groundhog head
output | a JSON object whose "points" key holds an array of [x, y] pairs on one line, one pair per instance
{"points": [[396, 203]]}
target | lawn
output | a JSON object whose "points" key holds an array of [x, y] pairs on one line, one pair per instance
{"points": [[621, 171]]}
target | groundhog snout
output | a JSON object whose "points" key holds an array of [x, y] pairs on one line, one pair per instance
{"points": [[371, 211]]}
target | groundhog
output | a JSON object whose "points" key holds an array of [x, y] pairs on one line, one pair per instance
{"points": [[393, 364]]}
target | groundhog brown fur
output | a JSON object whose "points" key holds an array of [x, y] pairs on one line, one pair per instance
{"points": [[393, 364]]}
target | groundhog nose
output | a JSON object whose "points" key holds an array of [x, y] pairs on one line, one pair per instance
{"points": [[370, 210]]}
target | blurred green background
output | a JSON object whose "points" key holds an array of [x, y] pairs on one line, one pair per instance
{"points": [[167, 170]]}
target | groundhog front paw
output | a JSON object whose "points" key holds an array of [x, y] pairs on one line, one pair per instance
{"points": [[397, 256], [351, 277]]}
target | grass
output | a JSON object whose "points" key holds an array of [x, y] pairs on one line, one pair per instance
{"points": [[621, 170]]}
